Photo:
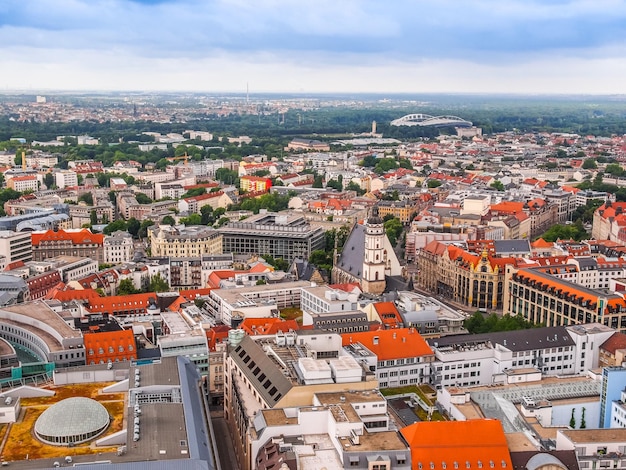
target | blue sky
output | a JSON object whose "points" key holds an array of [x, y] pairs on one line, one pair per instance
{"points": [[413, 46]]}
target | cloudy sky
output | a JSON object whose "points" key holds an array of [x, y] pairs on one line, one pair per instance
{"points": [[309, 46]]}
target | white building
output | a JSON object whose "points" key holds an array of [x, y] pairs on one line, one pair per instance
{"points": [[16, 246], [118, 248], [65, 178], [323, 299]]}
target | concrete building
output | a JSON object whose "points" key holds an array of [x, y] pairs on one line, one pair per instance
{"points": [[613, 383], [66, 178], [23, 183], [16, 246], [278, 235]]}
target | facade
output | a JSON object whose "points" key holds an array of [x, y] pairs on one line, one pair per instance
{"points": [[463, 277], [595, 448], [253, 184], [80, 243], [16, 246], [400, 356], [82, 214], [118, 248], [613, 383], [184, 242], [609, 222], [278, 235], [543, 298], [613, 351], [401, 210], [23, 183], [65, 178]]}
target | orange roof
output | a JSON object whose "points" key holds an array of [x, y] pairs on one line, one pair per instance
{"points": [[507, 207], [267, 326], [80, 237], [217, 334], [117, 303], [470, 444], [192, 294], [397, 343], [388, 313], [24, 178], [57, 293], [541, 243], [349, 287]]}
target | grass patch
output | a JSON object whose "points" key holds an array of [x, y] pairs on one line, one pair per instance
{"points": [[22, 442], [425, 392], [291, 313]]}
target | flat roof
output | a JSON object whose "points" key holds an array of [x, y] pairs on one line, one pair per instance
{"points": [[40, 311]]}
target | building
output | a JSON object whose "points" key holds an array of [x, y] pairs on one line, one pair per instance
{"points": [[110, 346], [101, 213], [595, 448], [474, 280], [182, 241], [278, 235], [367, 258], [15, 246], [66, 178], [609, 222], [308, 144], [543, 298], [613, 384], [401, 210], [613, 351], [401, 355], [287, 370], [23, 183], [473, 444], [254, 184], [81, 243], [118, 248]]}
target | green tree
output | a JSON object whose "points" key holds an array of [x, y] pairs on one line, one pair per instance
{"points": [[93, 217], [393, 229], [168, 220], [133, 227], [206, 215], [575, 231], [127, 287], [143, 230], [614, 169], [87, 198], [572, 420], [352, 186], [321, 259], [193, 219], [48, 180], [194, 192], [317, 182], [119, 224], [278, 263], [589, 164], [583, 423], [158, 284], [434, 183], [142, 198], [497, 185]]}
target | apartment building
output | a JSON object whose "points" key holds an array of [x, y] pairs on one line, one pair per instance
{"points": [[118, 248], [23, 183], [182, 241], [66, 178]]}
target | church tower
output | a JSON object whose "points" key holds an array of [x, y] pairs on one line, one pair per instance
{"points": [[374, 261]]}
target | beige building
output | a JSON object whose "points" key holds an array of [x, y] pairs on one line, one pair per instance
{"points": [[184, 242]]}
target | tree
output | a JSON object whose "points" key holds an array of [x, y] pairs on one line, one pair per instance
{"points": [[583, 423], [142, 198], [589, 164], [143, 230], [193, 219], [133, 227], [158, 284], [119, 224], [352, 186], [168, 220], [575, 231], [393, 229], [127, 287], [477, 323], [572, 420], [278, 263], [206, 215], [48, 180], [87, 198], [434, 183], [194, 192], [497, 185], [93, 217], [317, 182], [321, 259]]}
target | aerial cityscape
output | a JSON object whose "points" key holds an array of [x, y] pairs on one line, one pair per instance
{"points": [[313, 235]]}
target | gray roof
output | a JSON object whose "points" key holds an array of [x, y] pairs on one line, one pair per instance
{"points": [[512, 246], [353, 253], [181, 464], [249, 356], [531, 460], [518, 340]]}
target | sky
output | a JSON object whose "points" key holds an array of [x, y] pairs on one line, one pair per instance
{"points": [[315, 46]]}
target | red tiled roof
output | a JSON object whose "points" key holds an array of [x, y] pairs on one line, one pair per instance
{"points": [[391, 344], [80, 237], [471, 444], [614, 343]]}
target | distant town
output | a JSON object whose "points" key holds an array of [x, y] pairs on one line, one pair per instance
{"points": [[262, 282]]}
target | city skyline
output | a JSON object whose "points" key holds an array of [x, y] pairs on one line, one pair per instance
{"points": [[427, 46]]}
